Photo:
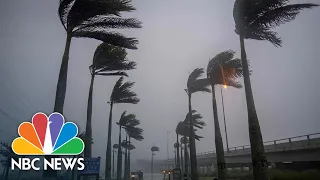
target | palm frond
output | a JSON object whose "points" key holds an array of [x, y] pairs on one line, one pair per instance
{"points": [[280, 15], [195, 74], [122, 93], [136, 136], [109, 37], [255, 19], [155, 148], [115, 146], [104, 22], [114, 74], [63, 10], [84, 10]]}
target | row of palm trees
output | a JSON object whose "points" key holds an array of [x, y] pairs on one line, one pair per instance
{"points": [[253, 20], [95, 20]]}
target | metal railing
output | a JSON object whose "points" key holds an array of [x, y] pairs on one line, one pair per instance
{"points": [[290, 140]]}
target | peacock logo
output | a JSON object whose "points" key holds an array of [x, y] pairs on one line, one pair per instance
{"points": [[48, 136]]}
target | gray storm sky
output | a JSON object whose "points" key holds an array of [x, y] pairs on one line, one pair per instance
{"points": [[177, 37]]}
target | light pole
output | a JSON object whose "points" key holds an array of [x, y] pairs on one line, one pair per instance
{"points": [[168, 144], [224, 117]]}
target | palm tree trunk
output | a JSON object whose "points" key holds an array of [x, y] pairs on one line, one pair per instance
{"points": [[178, 155], [151, 165], [193, 153], [126, 162], [62, 81], [218, 139], [129, 170], [186, 166], [60, 94], [181, 158], [259, 161], [88, 134], [119, 160], [108, 153], [113, 163]]}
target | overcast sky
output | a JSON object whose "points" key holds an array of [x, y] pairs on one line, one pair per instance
{"points": [[177, 37]]}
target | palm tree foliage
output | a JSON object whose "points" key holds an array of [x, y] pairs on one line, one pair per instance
{"points": [[222, 69], [155, 148], [255, 20]]}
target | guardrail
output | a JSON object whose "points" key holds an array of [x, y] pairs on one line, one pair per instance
{"points": [[274, 142]]}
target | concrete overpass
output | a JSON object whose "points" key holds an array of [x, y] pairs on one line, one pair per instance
{"points": [[294, 150]]}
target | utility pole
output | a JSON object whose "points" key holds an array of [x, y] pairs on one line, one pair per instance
{"points": [[168, 144], [224, 118]]}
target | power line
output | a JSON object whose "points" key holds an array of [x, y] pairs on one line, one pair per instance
{"points": [[16, 87], [12, 104], [10, 117]]}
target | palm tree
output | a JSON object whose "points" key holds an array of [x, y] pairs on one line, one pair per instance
{"points": [[223, 69], [125, 121], [115, 146], [121, 94], [153, 149], [134, 133], [108, 60], [195, 84], [183, 128], [92, 19], [7, 154], [255, 20]]}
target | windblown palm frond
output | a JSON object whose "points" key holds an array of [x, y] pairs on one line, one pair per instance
{"points": [[94, 18], [122, 93], [195, 84], [155, 148], [136, 136], [183, 129], [255, 19], [225, 69], [108, 59], [196, 118]]}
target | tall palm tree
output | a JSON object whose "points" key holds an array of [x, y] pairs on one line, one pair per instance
{"points": [[134, 133], [153, 150], [92, 19], [183, 128], [108, 60], [255, 20], [124, 122], [181, 150], [121, 93], [195, 84], [222, 69]]}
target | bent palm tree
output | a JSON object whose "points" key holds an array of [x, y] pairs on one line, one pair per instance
{"points": [[183, 128], [108, 60], [194, 85], [121, 93], [255, 20], [153, 149], [135, 133], [223, 69], [124, 122], [92, 19]]}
